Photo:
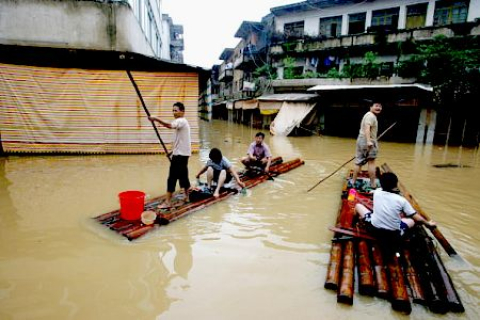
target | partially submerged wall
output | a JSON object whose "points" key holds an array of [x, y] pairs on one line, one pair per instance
{"points": [[69, 110]]}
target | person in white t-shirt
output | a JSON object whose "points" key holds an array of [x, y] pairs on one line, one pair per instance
{"points": [[392, 214], [367, 146], [181, 151]]}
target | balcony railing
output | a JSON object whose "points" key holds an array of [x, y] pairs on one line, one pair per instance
{"points": [[308, 43], [178, 43], [226, 75]]}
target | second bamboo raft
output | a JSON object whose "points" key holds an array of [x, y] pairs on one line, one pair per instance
{"points": [[357, 256]]}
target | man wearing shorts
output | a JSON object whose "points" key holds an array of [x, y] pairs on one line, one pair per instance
{"points": [[392, 214], [367, 146]]}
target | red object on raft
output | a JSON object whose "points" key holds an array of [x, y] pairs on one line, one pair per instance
{"points": [[131, 204]]}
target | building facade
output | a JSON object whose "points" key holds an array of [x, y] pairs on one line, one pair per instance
{"points": [[327, 43], [319, 36], [134, 26]]}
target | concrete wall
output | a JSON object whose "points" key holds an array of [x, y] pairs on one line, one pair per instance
{"points": [[72, 24], [312, 18], [165, 35], [474, 10], [129, 35]]}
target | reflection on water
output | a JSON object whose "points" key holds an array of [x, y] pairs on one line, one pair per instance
{"points": [[262, 255]]}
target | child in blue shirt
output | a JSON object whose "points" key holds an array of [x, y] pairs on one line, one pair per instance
{"points": [[220, 170]]}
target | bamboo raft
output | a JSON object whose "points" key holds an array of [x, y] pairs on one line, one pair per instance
{"points": [[357, 256], [135, 229]]}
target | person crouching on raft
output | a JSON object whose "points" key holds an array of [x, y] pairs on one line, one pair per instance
{"points": [[220, 170]]}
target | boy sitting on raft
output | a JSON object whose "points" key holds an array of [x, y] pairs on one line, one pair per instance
{"points": [[220, 170]]}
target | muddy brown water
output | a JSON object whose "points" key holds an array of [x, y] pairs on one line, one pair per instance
{"points": [[262, 255]]}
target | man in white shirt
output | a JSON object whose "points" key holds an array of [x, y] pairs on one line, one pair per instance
{"points": [[392, 214], [367, 146], [181, 151]]}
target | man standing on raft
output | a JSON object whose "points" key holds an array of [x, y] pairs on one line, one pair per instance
{"points": [[181, 152], [367, 145]]}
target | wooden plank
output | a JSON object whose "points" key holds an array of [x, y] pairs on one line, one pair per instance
{"points": [[352, 233]]}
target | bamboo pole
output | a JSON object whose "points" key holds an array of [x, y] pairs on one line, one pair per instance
{"points": [[345, 290], [413, 279], [381, 279], [399, 298], [334, 265], [366, 284], [350, 160], [436, 299], [347, 213], [441, 279], [453, 298]]}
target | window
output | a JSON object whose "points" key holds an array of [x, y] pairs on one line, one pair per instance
{"points": [[356, 23], [158, 44], [140, 11], [448, 12], [294, 29], [145, 20], [297, 71], [331, 27], [151, 25], [325, 63], [155, 45], [416, 15], [387, 18]]}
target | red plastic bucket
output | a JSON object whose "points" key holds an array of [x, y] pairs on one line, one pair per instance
{"points": [[131, 204]]}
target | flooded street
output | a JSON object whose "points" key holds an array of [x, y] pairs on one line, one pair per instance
{"points": [[262, 255]]}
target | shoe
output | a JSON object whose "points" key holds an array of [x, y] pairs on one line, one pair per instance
{"points": [[164, 206]]}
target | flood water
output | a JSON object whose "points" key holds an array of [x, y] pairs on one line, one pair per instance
{"points": [[262, 255]]}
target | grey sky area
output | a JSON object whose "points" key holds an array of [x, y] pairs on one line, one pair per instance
{"points": [[210, 25]]}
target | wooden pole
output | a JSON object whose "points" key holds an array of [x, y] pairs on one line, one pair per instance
{"points": [[334, 265], [347, 213], [345, 291], [148, 113], [437, 302], [381, 279], [399, 299], [453, 298], [448, 298], [413, 279], [347, 162], [366, 284]]}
